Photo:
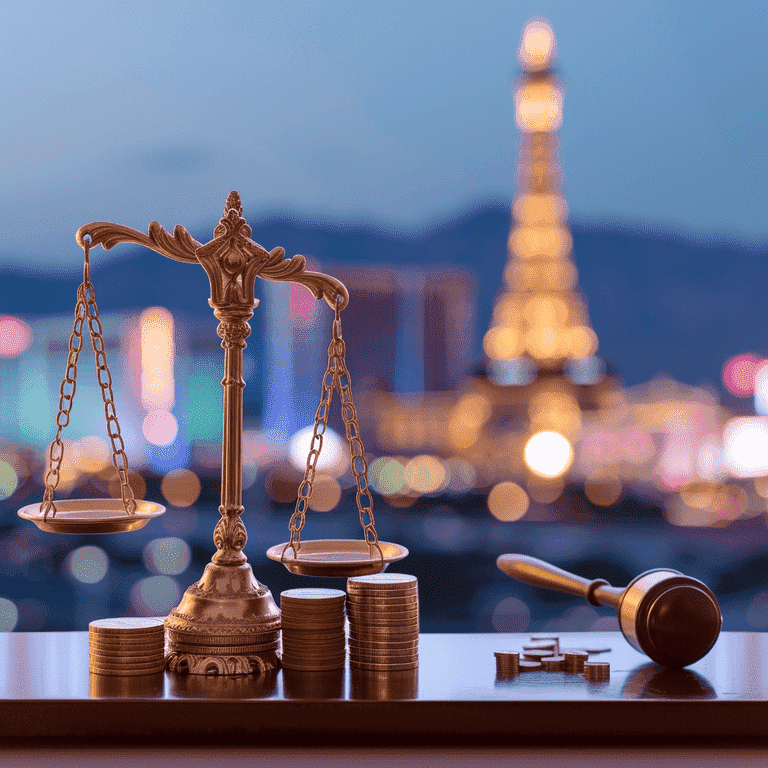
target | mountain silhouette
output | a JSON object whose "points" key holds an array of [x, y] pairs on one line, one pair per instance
{"points": [[659, 303]]}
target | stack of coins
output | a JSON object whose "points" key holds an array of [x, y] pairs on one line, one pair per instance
{"points": [[553, 663], [126, 647], [574, 661], [383, 611], [313, 629], [596, 670], [507, 663]]}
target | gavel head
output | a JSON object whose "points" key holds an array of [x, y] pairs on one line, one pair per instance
{"points": [[672, 618]]}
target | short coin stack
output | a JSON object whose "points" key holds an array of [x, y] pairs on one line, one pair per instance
{"points": [[383, 610], [126, 647], [313, 629]]}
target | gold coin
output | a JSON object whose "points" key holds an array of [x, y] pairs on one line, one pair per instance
{"points": [[375, 579], [120, 647], [311, 637], [123, 672], [377, 597], [597, 670], [383, 658], [125, 626], [538, 654], [387, 634], [102, 668], [313, 593], [373, 666], [100, 654], [392, 614], [543, 646], [553, 663], [527, 665], [313, 667]]}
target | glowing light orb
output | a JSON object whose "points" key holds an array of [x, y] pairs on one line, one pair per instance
{"points": [[739, 374], [9, 480], [332, 460], [508, 501], [15, 336], [745, 442], [548, 454], [155, 596], [425, 474], [181, 487], [160, 427], [9, 615], [169, 556], [88, 564]]}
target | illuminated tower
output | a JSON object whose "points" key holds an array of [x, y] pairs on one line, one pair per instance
{"points": [[539, 320]]}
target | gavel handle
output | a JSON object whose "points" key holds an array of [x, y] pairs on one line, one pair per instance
{"points": [[529, 570]]}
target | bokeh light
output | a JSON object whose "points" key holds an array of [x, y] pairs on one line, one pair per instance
{"points": [[15, 336], [548, 454], [326, 493], [333, 459], [155, 596], [461, 475], [507, 501], [136, 482], [511, 615], [745, 442], [425, 474], [157, 361], [160, 427], [88, 564], [739, 374], [603, 492], [181, 488], [90, 454], [168, 556], [9, 615], [388, 476], [9, 480], [537, 45]]}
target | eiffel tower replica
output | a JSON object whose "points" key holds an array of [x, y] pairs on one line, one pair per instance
{"points": [[541, 373]]}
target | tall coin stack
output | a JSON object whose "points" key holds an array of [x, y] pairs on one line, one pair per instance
{"points": [[313, 629], [383, 611], [126, 647]]}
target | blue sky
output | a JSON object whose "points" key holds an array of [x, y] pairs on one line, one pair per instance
{"points": [[394, 113]]}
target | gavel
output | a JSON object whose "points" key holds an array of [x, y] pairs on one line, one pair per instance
{"points": [[672, 618]]}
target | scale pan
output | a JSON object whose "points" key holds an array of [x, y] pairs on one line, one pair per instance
{"points": [[337, 557], [80, 516]]}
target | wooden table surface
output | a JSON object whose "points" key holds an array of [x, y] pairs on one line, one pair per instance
{"points": [[48, 695]]}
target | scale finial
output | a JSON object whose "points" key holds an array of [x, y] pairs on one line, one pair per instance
{"points": [[233, 202]]}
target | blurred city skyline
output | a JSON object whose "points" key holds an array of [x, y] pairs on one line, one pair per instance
{"points": [[395, 115]]}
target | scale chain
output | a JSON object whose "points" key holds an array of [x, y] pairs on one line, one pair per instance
{"points": [[340, 380], [86, 308]]}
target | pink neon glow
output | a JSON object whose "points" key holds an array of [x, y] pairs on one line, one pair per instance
{"points": [[15, 336], [739, 374], [160, 427]]}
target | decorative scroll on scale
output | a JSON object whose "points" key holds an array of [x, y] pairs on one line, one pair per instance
{"points": [[227, 622]]}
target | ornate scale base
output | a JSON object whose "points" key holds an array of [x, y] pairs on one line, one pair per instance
{"points": [[226, 624]]}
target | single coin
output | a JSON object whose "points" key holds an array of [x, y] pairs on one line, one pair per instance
{"points": [[527, 665], [537, 654], [411, 622], [596, 650], [311, 637], [374, 658], [382, 578], [384, 599], [544, 646], [95, 653], [384, 634], [553, 663], [383, 667], [126, 625], [127, 646], [384, 644], [313, 593], [123, 672], [112, 668]]}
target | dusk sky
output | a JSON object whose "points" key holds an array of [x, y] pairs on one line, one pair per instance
{"points": [[393, 113]]}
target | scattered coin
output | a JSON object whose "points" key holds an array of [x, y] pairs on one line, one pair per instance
{"points": [[526, 665], [537, 654]]}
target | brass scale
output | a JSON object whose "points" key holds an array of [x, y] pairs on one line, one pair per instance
{"points": [[232, 619]]}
